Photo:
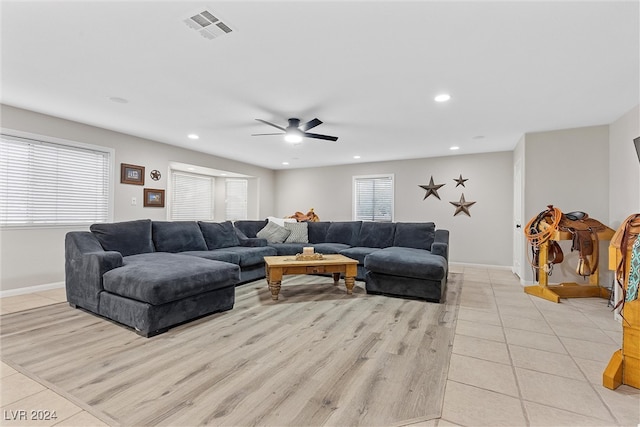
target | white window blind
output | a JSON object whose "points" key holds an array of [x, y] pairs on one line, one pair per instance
{"points": [[373, 198], [191, 197], [236, 199], [47, 183]]}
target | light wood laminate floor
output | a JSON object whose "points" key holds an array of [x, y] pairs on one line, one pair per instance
{"points": [[517, 360]]}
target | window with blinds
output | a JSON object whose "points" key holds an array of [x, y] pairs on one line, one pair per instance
{"points": [[191, 197], [236, 199], [46, 183], [373, 198]]}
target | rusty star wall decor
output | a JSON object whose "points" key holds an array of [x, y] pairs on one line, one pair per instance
{"points": [[462, 206], [460, 181], [431, 188]]}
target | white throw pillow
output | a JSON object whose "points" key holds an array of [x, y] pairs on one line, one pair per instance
{"points": [[273, 232], [299, 232], [280, 221]]}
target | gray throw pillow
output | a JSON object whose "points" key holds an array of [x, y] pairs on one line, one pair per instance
{"points": [[299, 232], [273, 232]]}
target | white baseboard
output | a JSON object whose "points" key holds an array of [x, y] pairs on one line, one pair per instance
{"points": [[466, 264], [31, 289]]}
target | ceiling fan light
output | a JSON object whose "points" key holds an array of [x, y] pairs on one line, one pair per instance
{"points": [[293, 136]]}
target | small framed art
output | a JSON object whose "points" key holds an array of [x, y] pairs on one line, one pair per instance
{"points": [[153, 198], [131, 174]]}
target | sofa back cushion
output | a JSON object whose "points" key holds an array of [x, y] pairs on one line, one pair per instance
{"points": [[376, 234], [177, 236], [345, 232], [419, 235], [128, 237], [318, 231], [219, 234], [250, 227]]}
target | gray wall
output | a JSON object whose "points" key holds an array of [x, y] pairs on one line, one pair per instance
{"points": [[36, 256], [483, 238], [570, 170], [593, 169], [624, 168]]}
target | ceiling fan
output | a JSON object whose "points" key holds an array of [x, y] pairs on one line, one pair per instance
{"points": [[295, 131]]}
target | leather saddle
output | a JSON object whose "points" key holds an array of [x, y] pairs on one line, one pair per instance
{"points": [[585, 233], [308, 217]]}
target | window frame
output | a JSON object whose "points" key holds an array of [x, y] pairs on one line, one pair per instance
{"points": [[356, 178], [50, 140], [171, 192], [226, 198]]}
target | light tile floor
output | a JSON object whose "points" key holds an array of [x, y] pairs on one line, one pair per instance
{"points": [[517, 360], [521, 360]]}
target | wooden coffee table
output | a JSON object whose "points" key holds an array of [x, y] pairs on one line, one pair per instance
{"points": [[278, 266]]}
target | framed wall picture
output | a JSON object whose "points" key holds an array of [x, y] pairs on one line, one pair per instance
{"points": [[153, 198], [131, 174]]}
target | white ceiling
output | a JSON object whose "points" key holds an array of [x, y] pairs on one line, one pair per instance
{"points": [[369, 70]]}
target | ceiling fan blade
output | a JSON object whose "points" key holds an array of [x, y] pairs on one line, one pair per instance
{"points": [[310, 124], [271, 124], [262, 134], [318, 136]]}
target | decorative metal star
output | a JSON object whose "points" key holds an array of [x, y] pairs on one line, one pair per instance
{"points": [[462, 206], [431, 188], [460, 181]]}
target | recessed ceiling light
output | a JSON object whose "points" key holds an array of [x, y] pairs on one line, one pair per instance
{"points": [[193, 136], [356, 157], [285, 163], [443, 97], [454, 148], [118, 100]]}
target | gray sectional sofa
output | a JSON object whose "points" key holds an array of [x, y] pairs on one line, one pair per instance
{"points": [[152, 275]]}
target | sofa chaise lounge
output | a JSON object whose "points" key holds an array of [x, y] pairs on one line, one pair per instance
{"points": [[151, 276]]}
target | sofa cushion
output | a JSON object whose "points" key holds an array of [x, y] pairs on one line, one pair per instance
{"points": [[407, 262], [358, 252], [177, 236], [159, 278], [249, 227], [318, 231], [329, 248], [299, 232], [345, 232], [216, 254], [218, 234], [128, 238], [250, 256], [418, 235], [273, 233], [288, 248], [376, 234]]}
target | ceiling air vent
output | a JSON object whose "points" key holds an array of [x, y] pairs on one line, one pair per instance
{"points": [[207, 24]]}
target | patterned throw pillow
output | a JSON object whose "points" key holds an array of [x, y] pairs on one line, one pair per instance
{"points": [[273, 232], [299, 232]]}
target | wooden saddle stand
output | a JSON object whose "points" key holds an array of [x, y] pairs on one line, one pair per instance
{"points": [[543, 233], [624, 366]]}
